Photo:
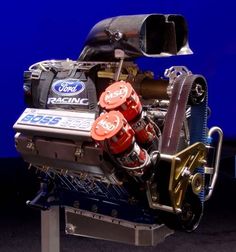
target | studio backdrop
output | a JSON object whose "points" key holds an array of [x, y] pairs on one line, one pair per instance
{"points": [[33, 31]]}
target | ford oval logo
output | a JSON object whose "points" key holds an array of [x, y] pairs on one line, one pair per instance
{"points": [[68, 87]]}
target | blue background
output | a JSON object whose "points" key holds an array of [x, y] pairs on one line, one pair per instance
{"points": [[32, 31]]}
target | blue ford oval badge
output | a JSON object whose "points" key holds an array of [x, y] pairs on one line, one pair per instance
{"points": [[68, 87]]}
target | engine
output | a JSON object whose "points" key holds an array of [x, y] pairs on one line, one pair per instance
{"points": [[112, 143]]}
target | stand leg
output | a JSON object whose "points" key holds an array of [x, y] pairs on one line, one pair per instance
{"points": [[50, 230]]}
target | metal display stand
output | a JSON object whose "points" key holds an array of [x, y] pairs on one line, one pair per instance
{"points": [[50, 230], [87, 224], [84, 223]]}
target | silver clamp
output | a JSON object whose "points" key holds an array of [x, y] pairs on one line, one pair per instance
{"points": [[174, 73]]}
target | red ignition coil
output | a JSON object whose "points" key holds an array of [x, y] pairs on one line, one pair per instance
{"points": [[113, 131], [122, 97]]}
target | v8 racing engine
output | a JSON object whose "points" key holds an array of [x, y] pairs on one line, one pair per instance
{"points": [[129, 153]]}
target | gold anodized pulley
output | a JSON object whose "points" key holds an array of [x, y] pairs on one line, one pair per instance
{"points": [[196, 181]]}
